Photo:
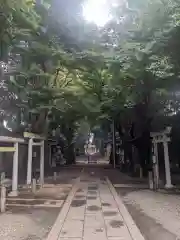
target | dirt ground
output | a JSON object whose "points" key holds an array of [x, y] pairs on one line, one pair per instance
{"points": [[156, 214], [26, 223], [24, 220]]}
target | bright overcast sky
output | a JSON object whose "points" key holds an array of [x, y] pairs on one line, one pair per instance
{"points": [[96, 11]]}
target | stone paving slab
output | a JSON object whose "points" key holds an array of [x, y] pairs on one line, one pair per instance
{"points": [[93, 214], [72, 229], [116, 228], [95, 221]]}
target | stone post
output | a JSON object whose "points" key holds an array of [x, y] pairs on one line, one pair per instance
{"points": [[2, 177], [151, 185], [55, 176], [3, 199], [141, 172], [34, 186]]}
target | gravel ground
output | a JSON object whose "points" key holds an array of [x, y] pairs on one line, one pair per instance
{"points": [[156, 214], [26, 224], [23, 223]]}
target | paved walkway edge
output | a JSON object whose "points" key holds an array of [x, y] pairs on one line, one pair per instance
{"points": [[133, 229], [54, 233]]}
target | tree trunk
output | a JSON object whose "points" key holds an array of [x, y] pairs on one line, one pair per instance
{"points": [[69, 152], [39, 126], [111, 160], [70, 155], [144, 145]]}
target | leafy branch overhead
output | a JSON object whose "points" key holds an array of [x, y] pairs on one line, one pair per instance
{"points": [[62, 69]]}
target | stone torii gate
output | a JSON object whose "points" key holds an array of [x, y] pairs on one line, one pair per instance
{"points": [[15, 150], [163, 137], [35, 140]]}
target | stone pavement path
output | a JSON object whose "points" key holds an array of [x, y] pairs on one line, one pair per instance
{"points": [[94, 214]]}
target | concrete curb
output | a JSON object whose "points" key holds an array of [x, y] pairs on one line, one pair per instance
{"points": [[144, 186], [133, 229], [55, 231], [33, 206]]}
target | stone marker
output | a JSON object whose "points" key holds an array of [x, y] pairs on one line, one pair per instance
{"points": [[151, 185], [3, 199], [55, 176], [2, 177], [140, 172], [34, 185]]}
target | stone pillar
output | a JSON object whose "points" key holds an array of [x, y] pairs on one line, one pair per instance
{"points": [[156, 167], [29, 164], [167, 166], [42, 164], [14, 192]]}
